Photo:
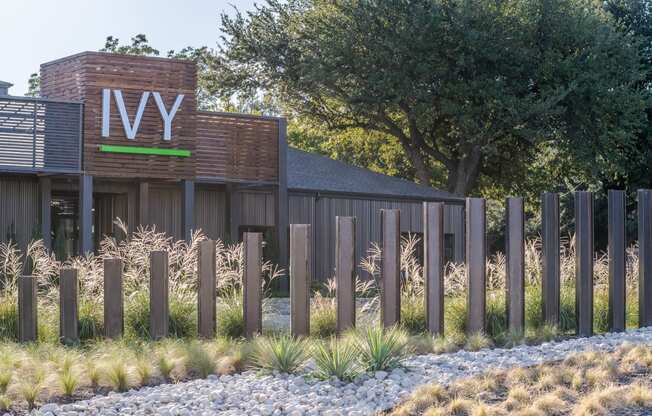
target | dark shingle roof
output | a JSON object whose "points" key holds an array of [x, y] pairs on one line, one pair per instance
{"points": [[314, 172]]}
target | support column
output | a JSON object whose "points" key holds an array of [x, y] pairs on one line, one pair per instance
{"points": [[476, 256], [113, 298], [515, 251], [282, 208], [206, 296], [85, 214], [45, 186], [644, 257], [68, 307], [433, 265], [159, 305], [345, 272], [188, 209], [617, 264], [550, 241], [300, 278], [390, 301], [252, 284], [143, 204], [27, 314], [584, 263]]}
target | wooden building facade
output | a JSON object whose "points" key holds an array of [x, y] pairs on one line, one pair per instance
{"points": [[117, 136]]}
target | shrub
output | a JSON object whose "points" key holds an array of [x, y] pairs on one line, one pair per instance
{"points": [[455, 314], [137, 315], [280, 353], [183, 315], [198, 360], [8, 320], [230, 322], [336, 358], [413, 314], [91, 320], [69, 381], [496, 318], [382, 349], [477, 341], [117, 375], [323, 321]]}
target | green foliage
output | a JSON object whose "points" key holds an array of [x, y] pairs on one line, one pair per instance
{"points": [[323, 320], [472, 87], [382, 349], [198, 360], [413, 316], [496, 318], [455, 314], [231, 319], [477, 341], [183, 315], [118, 375], [8, 320], [91, 320], [281, 353], [336, 358]]}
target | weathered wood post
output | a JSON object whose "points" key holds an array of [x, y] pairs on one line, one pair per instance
{"points": [[300, 278], [206, 290], [550, 241], [584, 262], [27, 309], [159, 312], [252, 284], [345, 272], [68, 307], [644, 257], [515, 252], [476, 255], [433, 266], [113, 298], [617, 288], [390, 267]]}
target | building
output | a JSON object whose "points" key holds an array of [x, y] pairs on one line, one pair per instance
{"points": [[116, 136]]}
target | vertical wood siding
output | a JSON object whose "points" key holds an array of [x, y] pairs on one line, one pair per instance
{"points": [[320, 212], [19, 212], [165, 210], [210, 212], [258, 208]]}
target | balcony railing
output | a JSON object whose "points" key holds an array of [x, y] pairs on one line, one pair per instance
{"points": [[39, 135]]}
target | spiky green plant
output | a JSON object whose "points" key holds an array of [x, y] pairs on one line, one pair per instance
{"points": [[69, 380], [198, 360], [281, 353], [30, 392], [382, 349], [117, 375], [91, 323], [336, 358], [143, 370]]}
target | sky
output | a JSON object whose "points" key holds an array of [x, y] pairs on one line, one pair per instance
{"points": [[37, 31]]}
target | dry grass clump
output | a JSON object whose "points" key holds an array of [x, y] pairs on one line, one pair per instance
{"points": [[589, 383]]}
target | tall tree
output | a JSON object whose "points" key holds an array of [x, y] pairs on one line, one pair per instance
{"points": [[475, 87]]}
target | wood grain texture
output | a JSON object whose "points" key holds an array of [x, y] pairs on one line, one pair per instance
{"points": [[300, 279], [345, 233], [252, 284], [476, 260], [159, 307], [27, 314], [390, 305], [206, 297], [617, 210], [515, 265], [68, 307], [433, 266], [584, 263], [113, 298]]}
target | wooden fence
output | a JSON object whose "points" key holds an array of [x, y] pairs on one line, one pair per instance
{"points": [[301, 256]]}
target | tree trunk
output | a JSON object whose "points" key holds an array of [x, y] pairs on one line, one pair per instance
{"points": [[463, 178]]}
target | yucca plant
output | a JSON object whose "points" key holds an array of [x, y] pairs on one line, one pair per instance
{"points": [[281, 353], [336, 358], [382, 349]]}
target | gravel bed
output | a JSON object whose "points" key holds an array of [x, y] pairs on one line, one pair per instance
{"points": [[251, 394]]}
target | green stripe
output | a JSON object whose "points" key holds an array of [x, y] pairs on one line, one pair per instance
{"points": [[134, 150]]}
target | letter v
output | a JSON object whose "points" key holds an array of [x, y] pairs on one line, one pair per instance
{"points": [[130, 130]]}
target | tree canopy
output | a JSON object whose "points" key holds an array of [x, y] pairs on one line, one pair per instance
{"points": [[476, 88]]}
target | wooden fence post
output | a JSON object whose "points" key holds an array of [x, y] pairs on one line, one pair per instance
{"points": [[206, 290], [113, 298], [433, 266], [252, 284], [515, 253], [617, 288], [476, 255], [644, 257], [550, 284], [390, 305], [584, 262], [27, 309], [345, 272], [68, 307], [159, 312], [300, 278]]}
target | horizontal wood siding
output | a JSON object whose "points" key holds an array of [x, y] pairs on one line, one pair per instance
{"points": [[84, 76], [210, 212], [19, 212], [321, 212], [237, 147]]}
